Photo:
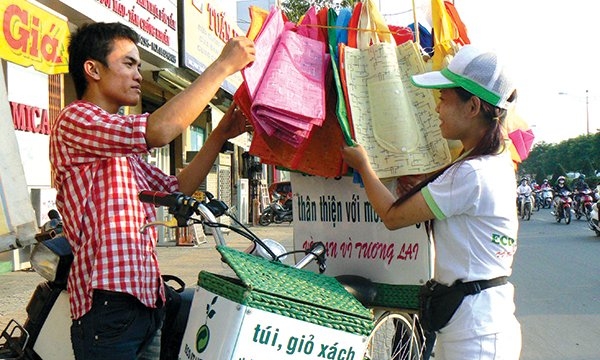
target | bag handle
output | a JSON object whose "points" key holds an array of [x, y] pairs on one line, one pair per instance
{"points": [[372, 27]]}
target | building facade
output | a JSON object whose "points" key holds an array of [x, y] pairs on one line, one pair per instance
{"points": [[179, 39]]}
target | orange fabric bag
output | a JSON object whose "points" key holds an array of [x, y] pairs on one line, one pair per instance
{"points": [[353, 25], [460, 27]]}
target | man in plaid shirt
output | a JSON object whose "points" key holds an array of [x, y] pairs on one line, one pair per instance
{"points": [[116, 292]]}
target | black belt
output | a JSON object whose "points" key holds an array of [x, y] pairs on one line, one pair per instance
{"points": [[121, 296], [475, 287]]}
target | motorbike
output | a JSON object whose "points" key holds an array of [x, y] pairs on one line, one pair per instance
{"points": [[539, 200], [583, 206], [563, 209], [594, 222], [277, 212], [524, 204], [547, 196], [46, 331]]}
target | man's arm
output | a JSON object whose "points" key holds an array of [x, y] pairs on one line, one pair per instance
{"points": [[171, 119], [232, 124]]}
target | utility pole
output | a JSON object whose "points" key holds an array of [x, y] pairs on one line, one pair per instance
{"points": [[587, 110]]}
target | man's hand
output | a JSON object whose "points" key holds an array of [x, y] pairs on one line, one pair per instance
{"points": [[237, 54], [233, 123]]}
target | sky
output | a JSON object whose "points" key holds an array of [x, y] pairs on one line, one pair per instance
{"points": [[548, 47]]}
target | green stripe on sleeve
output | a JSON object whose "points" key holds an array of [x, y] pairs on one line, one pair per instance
{"points": [[432, 204]]}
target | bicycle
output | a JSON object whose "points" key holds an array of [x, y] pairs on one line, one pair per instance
{"points": [[48, 316], [396, 332]]}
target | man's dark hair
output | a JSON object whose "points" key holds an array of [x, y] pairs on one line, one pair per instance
{"points": [[94, 41], [53, 214]]}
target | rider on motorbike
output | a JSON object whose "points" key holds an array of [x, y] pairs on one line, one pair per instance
{"points": [[523, 191], [579, 185], [560, 186], [545, 185]]}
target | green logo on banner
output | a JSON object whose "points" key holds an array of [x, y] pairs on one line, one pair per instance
{"points": [[203, 334], [202, 338]]}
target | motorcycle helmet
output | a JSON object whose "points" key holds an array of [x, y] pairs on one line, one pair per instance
{"points": [[561, 179], [545, 181]]}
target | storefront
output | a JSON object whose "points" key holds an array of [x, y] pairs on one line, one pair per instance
{"points": [[34, 44], [33, 54]]}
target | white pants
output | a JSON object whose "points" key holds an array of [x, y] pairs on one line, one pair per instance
{"points": [[500, 346]]}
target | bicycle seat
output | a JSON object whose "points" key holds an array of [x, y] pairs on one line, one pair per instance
{"points": [[363, 289]]}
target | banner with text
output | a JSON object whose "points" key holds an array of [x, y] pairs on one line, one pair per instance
{"points": [[338, 213], [219, 328], [154, 20]]}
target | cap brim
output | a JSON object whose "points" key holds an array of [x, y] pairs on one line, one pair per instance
{"points": [[432, 80]]}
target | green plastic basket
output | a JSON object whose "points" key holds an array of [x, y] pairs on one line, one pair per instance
{"points": [[287, 291], [397, 296]]}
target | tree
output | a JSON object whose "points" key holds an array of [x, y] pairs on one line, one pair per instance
{"points": [[580, 154], [294, 9]]}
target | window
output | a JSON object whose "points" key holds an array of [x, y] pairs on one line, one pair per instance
{"points": [[197, 135]]}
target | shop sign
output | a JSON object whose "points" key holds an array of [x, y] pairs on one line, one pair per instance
{"points": [[206, 30], [30, 118], [154, 20], [33, 37]]}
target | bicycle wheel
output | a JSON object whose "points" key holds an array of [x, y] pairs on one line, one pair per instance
{"points": [[396, 336]]}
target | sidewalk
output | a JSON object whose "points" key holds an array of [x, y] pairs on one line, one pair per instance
{"points": [[183, 261]]}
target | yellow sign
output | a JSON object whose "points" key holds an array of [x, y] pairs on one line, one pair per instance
{"points": [[33, 37]]}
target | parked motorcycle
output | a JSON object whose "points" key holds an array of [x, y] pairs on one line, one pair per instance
{"points": [[563, 209], [276, 212], [583, 206], [46, 332]]}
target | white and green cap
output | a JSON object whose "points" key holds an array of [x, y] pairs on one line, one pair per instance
{"points": [[477, 71]]}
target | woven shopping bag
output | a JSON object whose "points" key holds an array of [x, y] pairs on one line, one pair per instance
{"points": [[395, 121]]}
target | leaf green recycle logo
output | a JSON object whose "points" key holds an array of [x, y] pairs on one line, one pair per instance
{"points": [[203, 334]]}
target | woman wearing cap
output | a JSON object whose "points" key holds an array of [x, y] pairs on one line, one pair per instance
{"points": [[472, 204]]}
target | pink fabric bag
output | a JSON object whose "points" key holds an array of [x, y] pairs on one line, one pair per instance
{"points": [[286, 83]]}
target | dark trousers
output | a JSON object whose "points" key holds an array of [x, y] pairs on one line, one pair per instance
{"points": [[117, 327]]}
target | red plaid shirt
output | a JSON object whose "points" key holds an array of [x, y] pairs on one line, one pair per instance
{"points": [[98, 173]]}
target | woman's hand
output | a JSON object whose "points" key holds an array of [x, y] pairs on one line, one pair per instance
{"points": [[355, 156]]}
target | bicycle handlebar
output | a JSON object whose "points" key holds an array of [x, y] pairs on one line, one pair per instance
{"points": [[160, 198], [183, 207]]}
